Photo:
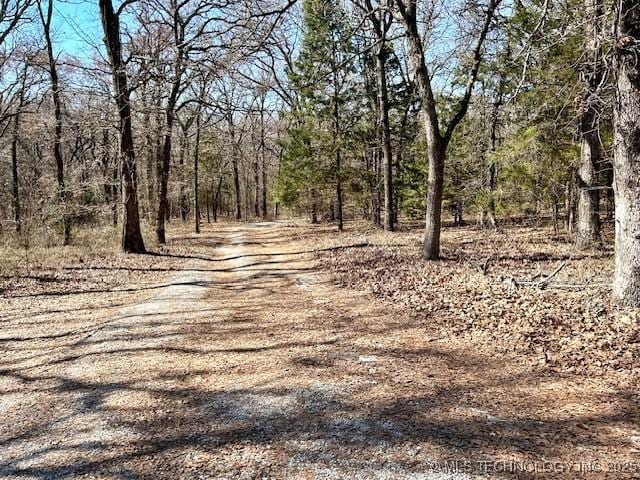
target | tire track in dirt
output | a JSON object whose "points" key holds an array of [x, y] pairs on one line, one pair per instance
{"points": [[242, 366]]}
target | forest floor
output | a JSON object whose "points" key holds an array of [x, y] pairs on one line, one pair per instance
{"points": [[283, 350]]}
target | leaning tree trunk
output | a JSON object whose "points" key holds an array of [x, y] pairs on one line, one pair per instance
{"points": [[131, 235], [588, 221], [626, 286]]}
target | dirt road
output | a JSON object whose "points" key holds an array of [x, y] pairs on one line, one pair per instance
{"points": [[249, 363]]}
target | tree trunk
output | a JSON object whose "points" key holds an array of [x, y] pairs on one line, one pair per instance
{"points": [[377, 198], [588, 221], [14, 172], [236, 189], [256, 181], [150, 161], [313, 201], [246, 195], [570, 201], [207, 206], [489, 213], [626, 285], [184, 204], [163, 180], [339, 206], [216, 199], [433, 216], [236, 174], [109, 187], [14, 152], [436, 147], [436, 141], [385, 135], [196, 161], [57, 112], [131, 235], [116, 188], [158, 141], [336, 142], [610, 204], [263, 166]]}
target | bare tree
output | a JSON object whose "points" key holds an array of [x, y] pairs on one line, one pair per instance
{"points": [[14, 146], [438, 139], [380, 19], [46, 18], [12, 13], [132, 240]]}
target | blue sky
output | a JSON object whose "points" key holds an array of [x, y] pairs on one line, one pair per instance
{"points": [[77, 27]]}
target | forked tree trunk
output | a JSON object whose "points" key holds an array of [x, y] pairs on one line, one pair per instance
{"points": [[131, 235], [588, 221], [436, 146], [436, 141], [626, 286]]}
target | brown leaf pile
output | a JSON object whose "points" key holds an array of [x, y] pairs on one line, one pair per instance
{"points": [[471, 294]]}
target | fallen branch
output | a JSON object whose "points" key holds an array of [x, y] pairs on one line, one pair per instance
{"points": [[342, 247], [578, 286], [543, 283]]}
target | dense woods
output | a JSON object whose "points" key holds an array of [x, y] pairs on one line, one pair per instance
{"points": [[475, 111]]}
